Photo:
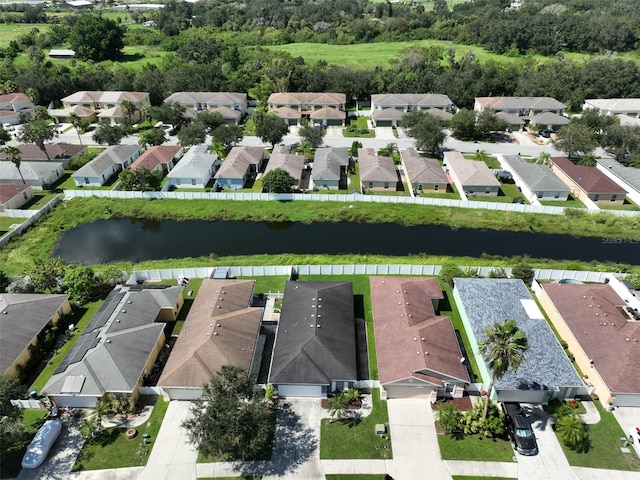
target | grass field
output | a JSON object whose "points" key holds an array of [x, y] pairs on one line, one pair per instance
{"points": [[9, 31], [381, 54], [474, 448]]}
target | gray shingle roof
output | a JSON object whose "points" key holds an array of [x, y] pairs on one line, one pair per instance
{"points": [[470, 173], [374, 168], [211, 98], [549, 118], [327, 163], [315, 342], [629, 175], [537, 177], [116, 154], [433, 100], [22, 318], [30, 170], [238, 161], [487, 301], [422, 170], [196, 163]]}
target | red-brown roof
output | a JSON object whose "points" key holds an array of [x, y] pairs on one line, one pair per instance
{"points": [[157, 155], [11, 190], [30, 151], [406, 326], [593, 314], [589, 179]]}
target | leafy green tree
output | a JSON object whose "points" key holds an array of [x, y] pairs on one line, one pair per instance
{"points": [[141, 179], [109, 134], [40, 113], [463, 125], [489, 423], [11, 427], [193, 134], [278, 181], [427, 130], [388, 150], [152, 136], [128, 109], [524, 272], [78, 124], [228, 136], [110, 275], [13, 155], [572, 431], [80, 282], [47, 275], [622, 142], [449, 417], [575, 139], [450, 271], [313, 135], [634, 279], [337, 405], [487, 122], [270, 128], [503, 347], [89, 427], [38, 132], [232, 419], [4, 136], [171, 113], [353, 149], [209, 120], [96, 38]]}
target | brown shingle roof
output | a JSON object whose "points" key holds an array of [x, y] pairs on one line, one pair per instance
{"points": [[157, 155], [221, 329], [589, 179], [586, 309], [403, 315], [238, 161], [30, 151], [9, 191]]}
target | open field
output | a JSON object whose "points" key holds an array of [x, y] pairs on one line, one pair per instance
{"points": [[9, 31]]}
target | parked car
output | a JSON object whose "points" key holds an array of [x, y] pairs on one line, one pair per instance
{"points": [[519, 429], [634, 439], [8, 127]]}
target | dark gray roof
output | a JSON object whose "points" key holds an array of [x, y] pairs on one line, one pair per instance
{"points": [[116, 154], [315, 342], [327, 163], [22, 318], [487, 301], [624, 174], [537, 177]]}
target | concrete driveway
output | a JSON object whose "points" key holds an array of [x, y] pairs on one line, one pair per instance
{"points": [[385, 133]]}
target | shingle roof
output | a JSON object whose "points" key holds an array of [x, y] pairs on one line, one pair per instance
{"points": [[22, 318], [113, 155], [549, 118], [288, 112], [374, 168], [630, 175], [315, 342], [590, 179], [388, 114], [422, 170], [29, 170], [327, 163], [14, 98], [592, 312], [196, 163], [487, 301], [220, 329], [411, 100], [104, 97], [406, 326], [238, 161], [614, 105], [8, 191], [30, 151], [227, 113], [115, 360], [212, 98], [156, 155], [470, 172], [292, 163], [328, 112], [509, 118], [536, 176], [308, 98], [521, 103]]}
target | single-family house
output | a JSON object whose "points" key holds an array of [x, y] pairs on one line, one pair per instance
{"points": [[62, 115], [471, 177], [417, 349], [106, 105], [24, 319], [222, 329], [231, 105], [330, 165], [549, 121], [601, 325], [535, 180], [240, 164], [315, 346], [376, 172], [195, 169], [158, 157], [546, 372], [588, 182], [58, 152], [321, 108], [514, 122], [627, 177], [106, 165], [423, 174], [525, 107], [383, 105], [14, 195], [118, 348], [292, 163], [614, 106], [40, 175], [12, 105]]}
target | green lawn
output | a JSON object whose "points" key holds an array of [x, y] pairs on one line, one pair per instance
{"points": [[268, 284], [451, 193], [12, 453], [81, 318], [350, 439], [6, 222], [361, 476], [627, 205], [474, 448], [9, 31], [113, 450], [39, 200], [194, 285], [230, 478], [506, 194], [360, 122], [604, 449]]}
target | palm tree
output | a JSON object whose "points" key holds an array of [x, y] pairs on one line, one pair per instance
{"points": [[128, 110], [76, 121], [502, 348], [146, 112], [13, 155], [337, 405], [572, 430]]}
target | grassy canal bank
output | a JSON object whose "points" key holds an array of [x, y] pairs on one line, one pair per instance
{"points": [[39, 242]]}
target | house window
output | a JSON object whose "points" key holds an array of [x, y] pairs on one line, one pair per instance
{"points": [[539, 195], [386, 184], [339, 386], [557, 195], [436, 187], [193, 181], [596, 198], [471, 191], [613, 198], [370, 184], [487, 192]]}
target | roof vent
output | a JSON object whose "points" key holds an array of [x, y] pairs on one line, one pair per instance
{"points": [[208, 333], [319, 299], [397, 291], [402, 315], [613, 324], [414, 339], [211, 324], [218, 325], [424, 339], [584, 296], [318, 326], [109, 341], [313, 299], [417, 353], [117, 320], [319, 316], [410, 316], [312, 325], [626, 339], [124, 311], [405, 291], [215, 334], [407, 303], [399, 303], [219, 306], [129, 302], [426, 353], [597, 314]]}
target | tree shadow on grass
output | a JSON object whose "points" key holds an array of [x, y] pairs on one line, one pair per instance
{"points": [[294, 445]]}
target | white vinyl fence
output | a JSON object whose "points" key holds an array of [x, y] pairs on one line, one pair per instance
{"points": [[32, 216]]}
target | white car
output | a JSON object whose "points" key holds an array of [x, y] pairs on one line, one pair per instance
{"points": [[8, 127], [634, 439]]}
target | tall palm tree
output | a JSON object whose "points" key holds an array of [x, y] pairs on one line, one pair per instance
{"points": [[76, 121], [128, 109], [502, 348], [13, 155]]}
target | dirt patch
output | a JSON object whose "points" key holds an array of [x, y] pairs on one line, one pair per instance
{"points": [[463, 403]]}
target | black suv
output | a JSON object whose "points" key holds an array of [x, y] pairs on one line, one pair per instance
{"points": [[519, 430]]}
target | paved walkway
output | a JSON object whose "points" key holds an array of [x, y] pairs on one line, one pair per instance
{"points": [[592, 416]]}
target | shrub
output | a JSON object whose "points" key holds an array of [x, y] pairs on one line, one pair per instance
{"points": [[449, 416], [80, 160], [490, 427], [524, 272], [572, 431]]}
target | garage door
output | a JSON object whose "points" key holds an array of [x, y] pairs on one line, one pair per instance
{"points": [[409, 392], [299, 391], [183, 393], [75, 402], [622, 400], [522, 396]]}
